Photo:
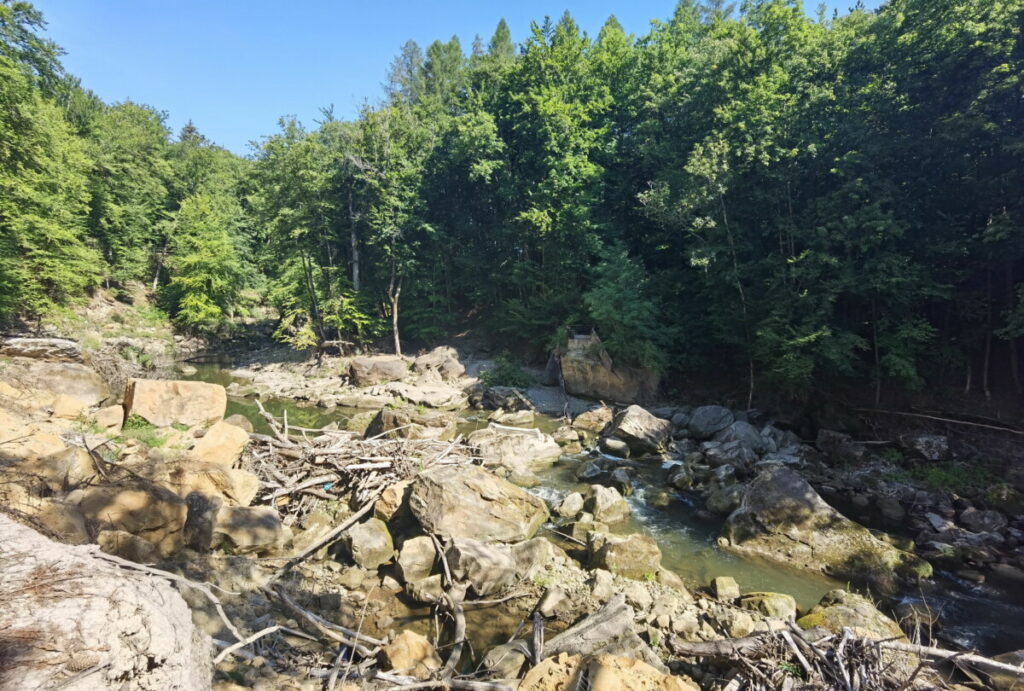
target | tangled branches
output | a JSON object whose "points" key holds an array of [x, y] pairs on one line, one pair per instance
{"points": [[797, 659]]}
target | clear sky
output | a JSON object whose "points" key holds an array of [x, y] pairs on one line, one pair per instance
{"points": [[234, 67]]}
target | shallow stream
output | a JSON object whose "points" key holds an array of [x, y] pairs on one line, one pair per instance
{"points": [[987, 617]]}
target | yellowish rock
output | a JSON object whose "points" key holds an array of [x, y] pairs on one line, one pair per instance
{"points": [[604, 673], [614, 673], [164, 403], [59, 471], [152, 513], [68, 407], [110, 418], [391, 500], [410, 654], [221, 445], [127, 546], [237, 487], [62, 520], [34, 445]]}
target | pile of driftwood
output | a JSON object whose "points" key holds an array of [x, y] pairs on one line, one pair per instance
{"points": [[298, 466], [794, 659]]}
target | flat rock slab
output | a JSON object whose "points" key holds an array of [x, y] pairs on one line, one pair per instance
{"points": [[469, 502], [163, 403], [135, 631], [73, 378]]}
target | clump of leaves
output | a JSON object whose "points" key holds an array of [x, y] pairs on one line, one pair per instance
{"points": [[505, 373]]}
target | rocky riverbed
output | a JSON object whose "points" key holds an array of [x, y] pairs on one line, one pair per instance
{"points": [[470, 502]]}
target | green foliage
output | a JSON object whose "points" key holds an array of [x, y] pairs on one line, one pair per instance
{"points": [[625, 316], [505, 373], [803, 202], [129, 187], [143, 431], [45, 260], [206, 261]]}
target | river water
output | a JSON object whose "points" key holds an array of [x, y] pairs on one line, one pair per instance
{"points": [[986, 617]]}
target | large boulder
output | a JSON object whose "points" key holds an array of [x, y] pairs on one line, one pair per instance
{"points": [[608, 630], [633, 556], [708, 420], [588, 371], [377, 369], [369, 543], [606, 504], [251, 529], [782, 518], [930, 447], [163, 403], [52, 349], [233, 486], [153, 513], [745, 435], [444, 360], [62, 470], [603, 673], [520, 450], [594, 420], [408, 422], [643, 432], [127, 630], [840, 609], [438, 396], [470, 503], [222, 445], [416, 559], [778, 605], [488, 568], [72, 378], [410, 654]]}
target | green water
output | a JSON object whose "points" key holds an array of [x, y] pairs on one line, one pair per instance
{"points": [[688, 541]]}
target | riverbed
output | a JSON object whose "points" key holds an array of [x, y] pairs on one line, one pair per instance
{"points": [[985, 616]]}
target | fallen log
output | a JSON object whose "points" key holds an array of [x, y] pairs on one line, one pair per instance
{"points": [[960, 658]]}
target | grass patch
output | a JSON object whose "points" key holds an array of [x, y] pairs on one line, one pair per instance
{"points": [[143, 431], [949, 476]]}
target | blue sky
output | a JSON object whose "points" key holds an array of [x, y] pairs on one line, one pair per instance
{"points": [[235, 67]]}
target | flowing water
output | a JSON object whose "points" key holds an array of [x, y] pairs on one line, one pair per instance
{"points": [[986, 617]]}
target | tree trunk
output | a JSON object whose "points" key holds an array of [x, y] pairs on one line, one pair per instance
{"points": [[159, 265], [988, 339], [314, 305], [743, 303], [394, 293], [874, 344], [1012, 341], [354, 242]]}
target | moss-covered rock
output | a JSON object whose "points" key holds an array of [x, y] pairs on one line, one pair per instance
{"points": [[782, 518], [840, 609]]}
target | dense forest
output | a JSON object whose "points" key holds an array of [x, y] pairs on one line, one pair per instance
{"points": [[795, 201]]}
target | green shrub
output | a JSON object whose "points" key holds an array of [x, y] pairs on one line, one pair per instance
{"points": [[505, 373]]}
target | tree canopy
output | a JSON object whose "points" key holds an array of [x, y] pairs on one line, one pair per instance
{"points": [[799, 201]]}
